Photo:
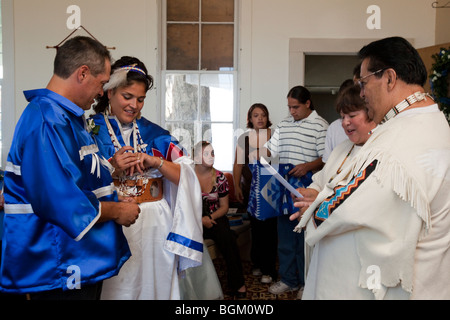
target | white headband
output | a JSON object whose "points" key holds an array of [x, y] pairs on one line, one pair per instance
{"points": [[133, 68], [119, 77]]}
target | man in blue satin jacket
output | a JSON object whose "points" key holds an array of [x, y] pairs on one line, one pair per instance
{"points": [[63, 222]]}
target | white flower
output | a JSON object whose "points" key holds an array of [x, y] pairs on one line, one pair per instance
{"points": [[91, 124], [92, 127]]}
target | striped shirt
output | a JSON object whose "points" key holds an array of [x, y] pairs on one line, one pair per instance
{"points": [[300, 141]]}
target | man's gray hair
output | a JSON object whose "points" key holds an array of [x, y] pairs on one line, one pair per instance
{"points": [[79, 51]]}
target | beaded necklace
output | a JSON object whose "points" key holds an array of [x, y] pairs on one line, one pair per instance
{"points": [[138, 143], [340, 167], [126, 187], [415, 97]]}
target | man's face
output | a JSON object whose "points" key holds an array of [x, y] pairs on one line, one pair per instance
{"points": [[93, 87], [372, 93], [297, 109]]}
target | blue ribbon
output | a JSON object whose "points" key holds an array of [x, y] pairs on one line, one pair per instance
{"points": [[185, 242]]}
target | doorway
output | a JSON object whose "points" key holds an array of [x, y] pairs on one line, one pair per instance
{"points": [[324, 74], [322, 65]]}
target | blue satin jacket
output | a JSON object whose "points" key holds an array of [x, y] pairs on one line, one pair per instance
{"points": [[54, 183]]}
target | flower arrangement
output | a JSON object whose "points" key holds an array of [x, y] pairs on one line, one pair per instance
{"points": [[439, 80]]}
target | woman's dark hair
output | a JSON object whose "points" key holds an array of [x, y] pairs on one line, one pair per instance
{"points": [[132, 77], [398, 54], [301, 94], [344, 85], [349, 100], [253, 107]]}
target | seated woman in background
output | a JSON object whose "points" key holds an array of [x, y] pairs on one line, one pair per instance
{"points": [[214, 187]]}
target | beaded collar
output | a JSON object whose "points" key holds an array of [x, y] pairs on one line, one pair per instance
{"points": [[415, 97], [138, 143]]}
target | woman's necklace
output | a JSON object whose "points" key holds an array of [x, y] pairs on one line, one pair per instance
{"points": [[340, 167], [138, 143], [140, 181]]}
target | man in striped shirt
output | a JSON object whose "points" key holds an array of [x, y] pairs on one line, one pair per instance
{"points": [[298, 140]]}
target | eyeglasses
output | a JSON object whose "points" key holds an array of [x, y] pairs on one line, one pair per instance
{"points": [[362, 84]]}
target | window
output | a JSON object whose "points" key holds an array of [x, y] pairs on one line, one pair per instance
{"points": [[199, 75]]}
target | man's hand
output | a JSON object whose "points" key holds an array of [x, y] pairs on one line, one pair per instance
{"points": [[299, 170], [128, 213], [124, 160], [124, 213]]}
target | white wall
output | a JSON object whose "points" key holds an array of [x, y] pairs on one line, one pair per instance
{"points": [[133, 27], [130, 26], [267, 27]]}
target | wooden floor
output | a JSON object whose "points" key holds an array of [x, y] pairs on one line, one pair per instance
{"points": [[255, 289]]}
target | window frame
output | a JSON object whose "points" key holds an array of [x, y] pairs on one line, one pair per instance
{"points": [[164, 73]]}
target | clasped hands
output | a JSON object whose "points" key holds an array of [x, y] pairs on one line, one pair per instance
{"points": [[208, 222], [130, 162]]}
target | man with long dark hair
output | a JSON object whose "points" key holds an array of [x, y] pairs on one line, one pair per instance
{"points": [[299, 143]]}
